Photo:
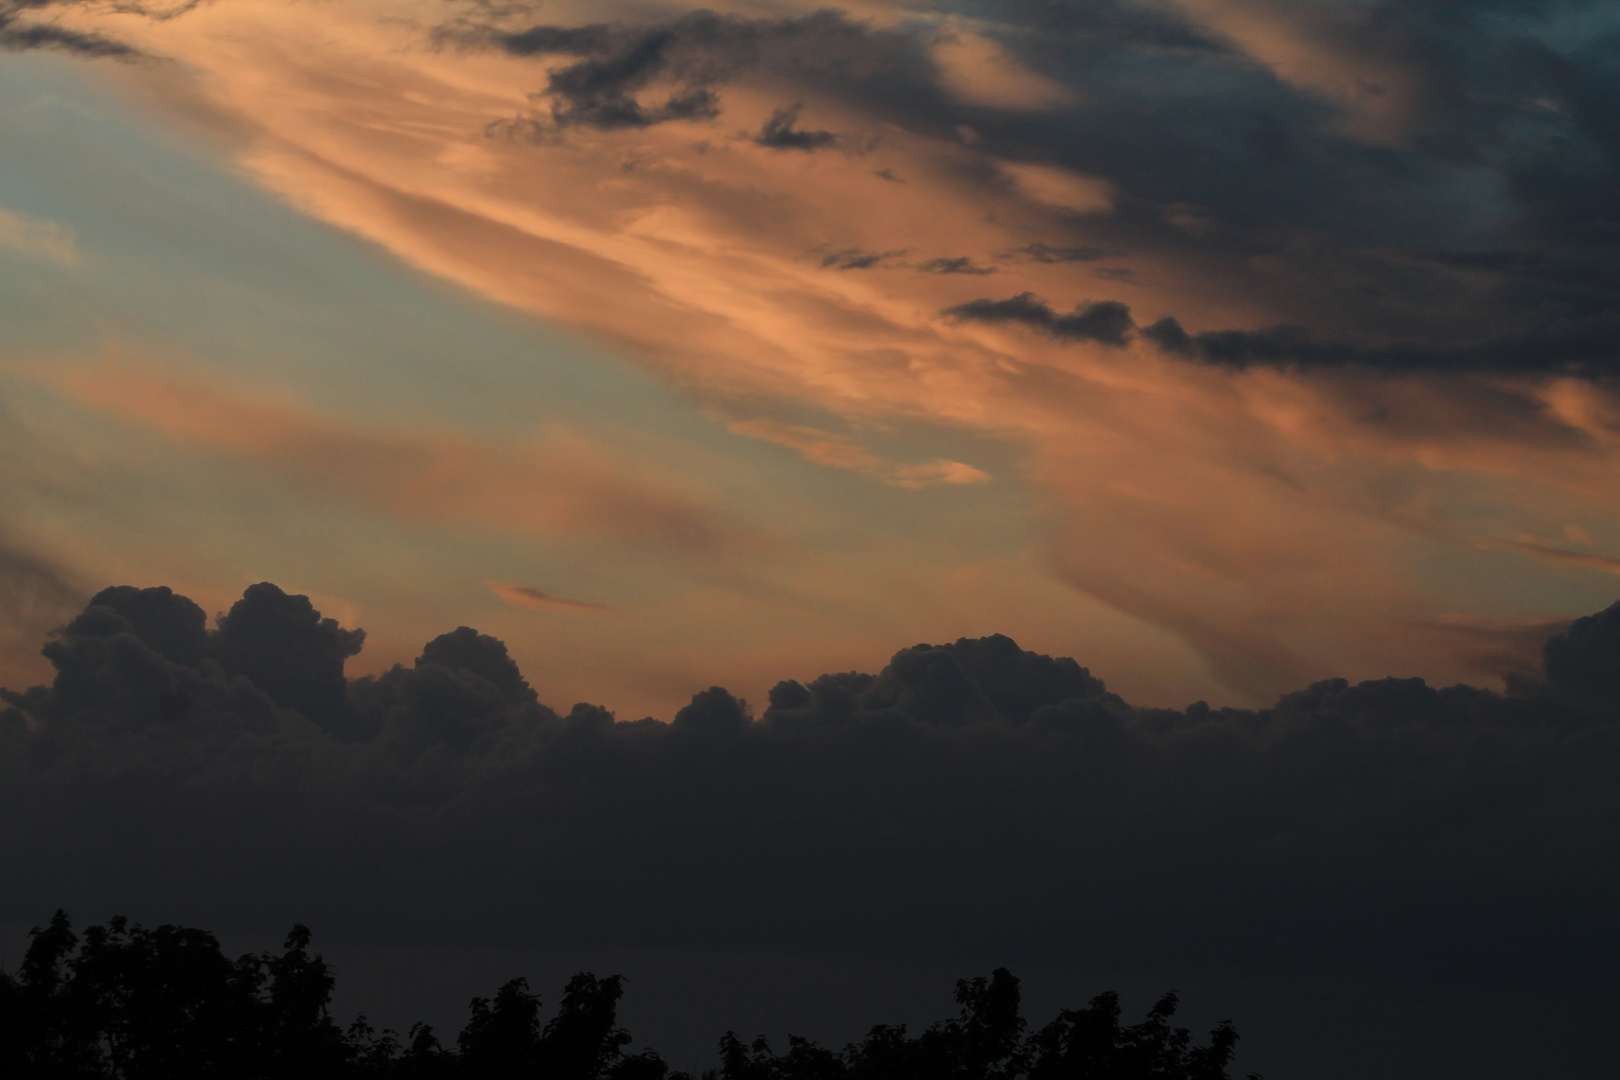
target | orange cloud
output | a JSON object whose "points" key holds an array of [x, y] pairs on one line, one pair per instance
{"points": [[525, 598], [1607, 563], [837, 451], [1274, 521], [559, 484]]}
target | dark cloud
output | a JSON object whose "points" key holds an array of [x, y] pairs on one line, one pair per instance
{"points": [[281, 644], [1582, 347], [969, 799], [967, 792], [960, 265], [779, 133], [856, 259], [1474, 231], [1590, 347], [1105, 321], [26, 24], [679, 63], [1046, 253]]}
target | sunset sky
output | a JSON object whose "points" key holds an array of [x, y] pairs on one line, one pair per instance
{"points": [[1254, 365], [675, 345]]}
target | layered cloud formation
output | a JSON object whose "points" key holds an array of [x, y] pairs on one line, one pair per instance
{"points": [[1272, 309]]}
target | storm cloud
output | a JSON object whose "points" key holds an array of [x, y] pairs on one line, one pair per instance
{"points": [[970, 788]]}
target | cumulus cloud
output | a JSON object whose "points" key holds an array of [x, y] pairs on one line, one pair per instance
{"points": [[971, 788]]}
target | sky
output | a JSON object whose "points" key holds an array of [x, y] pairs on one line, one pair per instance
{"points": [[766, 338], [1225, 346]]}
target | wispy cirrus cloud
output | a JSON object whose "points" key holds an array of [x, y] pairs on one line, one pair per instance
{"points": [[1279, 396], [531, 599], [558, 484]]}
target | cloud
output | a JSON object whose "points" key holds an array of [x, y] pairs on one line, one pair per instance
{"points": [[970, 788], [978, 71], [856, 259], [1106, 321], [1447, 271], [1060, 188], [779, 133], [629, 77], [43, 28], [962, 264], [1046, 253], [1579, 558], [841, 452], [522, 596], [18, 34], [557, 485]]}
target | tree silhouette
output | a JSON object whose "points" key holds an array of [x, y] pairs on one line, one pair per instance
{"points": [[127, 1003]]}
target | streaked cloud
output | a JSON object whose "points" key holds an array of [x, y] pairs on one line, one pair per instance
{"points": [[1311, 373], [529, 599], [843, 452], [1592, 560], [557, 483]]}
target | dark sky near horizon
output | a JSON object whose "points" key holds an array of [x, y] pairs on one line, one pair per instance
{"points": [[1371, 849], [1226, 346]]}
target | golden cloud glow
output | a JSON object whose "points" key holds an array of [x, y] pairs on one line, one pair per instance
{"points": [[558, 484], [978, 71], [1269, 519]]}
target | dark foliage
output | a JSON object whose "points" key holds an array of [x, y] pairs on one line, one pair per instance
{"points": [[127, 1003]]}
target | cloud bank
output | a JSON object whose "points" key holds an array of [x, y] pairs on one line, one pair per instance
{"points": [[969, 795]]}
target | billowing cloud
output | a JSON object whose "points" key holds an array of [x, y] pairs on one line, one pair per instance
{"points": [[1385, 828]]}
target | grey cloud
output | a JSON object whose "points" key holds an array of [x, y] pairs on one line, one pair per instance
{"points": [[960, 265], [1589, 346], [681, 62], [856, 259], [25, 25], [1105, 321], [970, 789], [779, 133], [1046, 253], [1483, 239]]}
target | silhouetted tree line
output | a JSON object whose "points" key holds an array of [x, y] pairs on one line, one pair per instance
{"points": [[127, 1003]]}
